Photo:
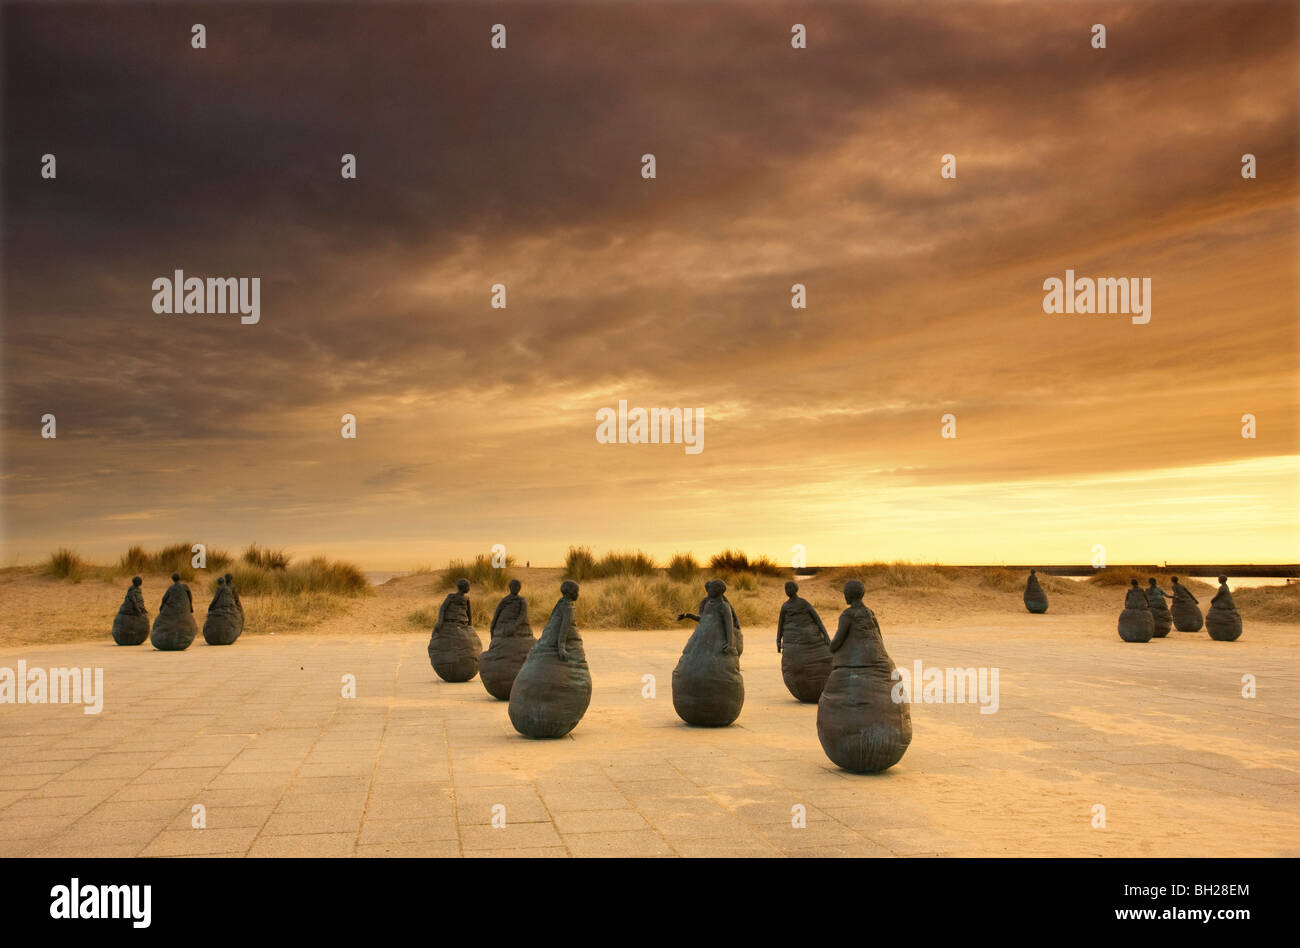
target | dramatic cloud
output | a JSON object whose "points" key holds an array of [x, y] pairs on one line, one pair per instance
{"points": [[775, 166]]}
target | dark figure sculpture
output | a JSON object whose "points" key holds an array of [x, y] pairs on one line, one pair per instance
{"points": [[510, 639], [131, 624], [1159, 609], [225, 619], [1186, 612], [454, 646], [1223, 621], [1135, 622], [804, 646], [861, 727], [175, 628], [1035, 598], [708, 690], [737, 639], [553, 689]]}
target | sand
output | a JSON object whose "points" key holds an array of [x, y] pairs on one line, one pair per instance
{"points": [[260, 734]]}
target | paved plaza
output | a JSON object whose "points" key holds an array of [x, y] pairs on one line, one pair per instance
{"points": [[283, 764]]}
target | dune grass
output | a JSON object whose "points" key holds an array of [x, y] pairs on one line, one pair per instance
{"points": [[173, 558], [683, 567], [480, 573], [66, 564], [735, 561], [580, 564]]}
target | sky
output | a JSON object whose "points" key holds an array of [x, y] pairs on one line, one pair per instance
{"points": [[522, 166]]}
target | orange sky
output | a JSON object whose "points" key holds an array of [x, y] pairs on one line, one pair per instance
{"points": [[775, 166]]}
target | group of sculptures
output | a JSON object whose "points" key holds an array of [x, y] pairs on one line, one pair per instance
{"points": [[547, 681], [175, 629], [1146, 614]]}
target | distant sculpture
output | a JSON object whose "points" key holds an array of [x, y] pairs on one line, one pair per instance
{"points": [[1223, 621], [1160, 616], [510, 639], [708, 690], [804, 646], [553, 689], [1135, 622], [1035, 598], [175, 628], [454, 646], [225, 619], [1186, 612], [738, 639], [131, 624], [861, 727]]}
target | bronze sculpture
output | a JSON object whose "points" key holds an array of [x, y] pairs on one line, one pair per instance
{"points": [[804, 646], [1160, 616], [510, 639], [708, 690], [1223, 621], [454, 646], [1185, 611], [175, 629], [552, 691], [131, 624], [861, 727], [1035, 597], [225, 619], [1135, 622]]}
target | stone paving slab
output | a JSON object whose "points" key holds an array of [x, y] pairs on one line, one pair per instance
{"points": [[261, 737]]}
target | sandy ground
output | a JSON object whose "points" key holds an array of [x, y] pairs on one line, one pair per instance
{"points": [[260, 735]]}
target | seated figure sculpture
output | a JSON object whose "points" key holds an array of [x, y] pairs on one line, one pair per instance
{"points": [[1159, 609], [1186, 612], [1223, 621], [510, 639], [552, 691], [862, 728], [1135, 622], [225, 619], [1035, 598], [804, 646], [708, 690], [454, 646], [175, 628], [131, 624]]}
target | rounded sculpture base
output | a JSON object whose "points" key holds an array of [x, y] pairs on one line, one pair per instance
{"points": [[130, 630], [1224, 625], [453, 652], [1163, 622], [1037, 608], [549, 696], [1187, 619], [805, 671], [173, 633], [861, 727], [500, 664], [221, 629], [708, 690], [1136, 625]]}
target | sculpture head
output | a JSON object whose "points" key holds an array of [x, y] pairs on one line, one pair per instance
{"points": [[715, 588], [1033, 572], [515, 586], [1175, 580], [1151, 581], [1223, 579], [462, 585], [854, 590], [176, 577], [791, 588], [230, 579], [136, 580], [220, 580], [569, 590], [1133, 582]]}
